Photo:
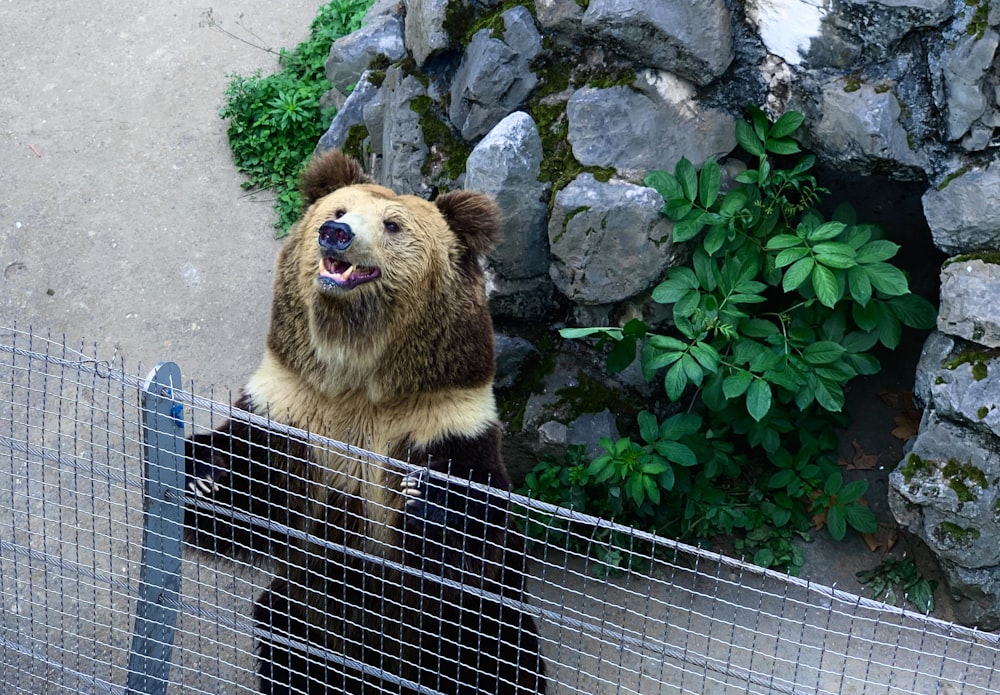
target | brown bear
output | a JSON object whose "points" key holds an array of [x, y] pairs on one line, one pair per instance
{"points": [[388, 580]]}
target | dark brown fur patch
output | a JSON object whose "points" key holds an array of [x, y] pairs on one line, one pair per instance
{"points": [[327, 172], [474, 217]]}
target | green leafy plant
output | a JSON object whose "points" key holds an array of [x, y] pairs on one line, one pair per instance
{"points": [[275, 121], [777, 310], [896, 578]]}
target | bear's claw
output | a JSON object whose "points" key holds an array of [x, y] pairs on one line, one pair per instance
{"points": [[424, 501], [203, 487], [203, 473]]}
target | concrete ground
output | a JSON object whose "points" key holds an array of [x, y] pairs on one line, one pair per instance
{"points": [[122, 220], [123, 226]]}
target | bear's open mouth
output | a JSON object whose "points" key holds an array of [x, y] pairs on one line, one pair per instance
{"points": [[346, 275]]}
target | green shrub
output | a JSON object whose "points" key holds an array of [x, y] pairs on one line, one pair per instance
{"points": [[777, 310], [276, 121]]}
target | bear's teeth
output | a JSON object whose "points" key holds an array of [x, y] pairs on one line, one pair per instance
{"points": [[346, 275]]}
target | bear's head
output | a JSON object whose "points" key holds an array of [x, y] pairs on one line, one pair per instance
{"points": [[371, 284]]}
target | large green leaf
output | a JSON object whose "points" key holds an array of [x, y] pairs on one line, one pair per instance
{"points": [[575, 333], [787, 124], [677, 208], [836, 523], [708, 183], [688, 178], [748, 139], [825, 285], [680, 282], [688, 228], [674, 381], [758, 399], [861, 518], [887, 279], [789, 256], [823, 352], [664, 183], [859, 284], [737, 384], [797, 274], [733, 201], [761, 124], [677, 426], [714, 239], [878, 250], [825, 231], [782, 146], [782, 241], [707, 356], [649, 428], [852, 491], [867, 316], [914, 311], [677, 453], [622, 354]]}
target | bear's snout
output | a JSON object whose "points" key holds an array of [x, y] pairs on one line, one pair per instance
{"points": [[335, 236]]}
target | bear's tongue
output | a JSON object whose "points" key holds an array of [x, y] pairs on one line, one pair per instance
{"points": [[346, 274]]}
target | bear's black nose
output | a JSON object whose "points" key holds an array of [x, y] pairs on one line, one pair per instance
{"points": [[335, 236]]}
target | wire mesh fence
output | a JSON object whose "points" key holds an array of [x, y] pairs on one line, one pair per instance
{"points": [[90, 583]]}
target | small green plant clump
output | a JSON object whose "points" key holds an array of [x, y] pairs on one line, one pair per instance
{"points": [[777, 310], [275, 121], [899, 578]]}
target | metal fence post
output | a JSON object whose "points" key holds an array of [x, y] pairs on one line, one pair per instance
{"points": [[162, 535]]}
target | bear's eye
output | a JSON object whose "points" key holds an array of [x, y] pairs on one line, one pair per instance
{"points": [[391, 227], [340, 213]]}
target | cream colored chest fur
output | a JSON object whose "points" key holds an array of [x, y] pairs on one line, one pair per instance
{"points": [[348, 415]]}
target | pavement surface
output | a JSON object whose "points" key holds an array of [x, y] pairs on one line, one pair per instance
{"points": [[122, 220]]}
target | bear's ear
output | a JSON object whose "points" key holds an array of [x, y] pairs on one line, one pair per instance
{"points": [[327, 172], [474, 217]]}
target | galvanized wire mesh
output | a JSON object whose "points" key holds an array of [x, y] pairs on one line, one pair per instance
{"points": [[72, 481]]}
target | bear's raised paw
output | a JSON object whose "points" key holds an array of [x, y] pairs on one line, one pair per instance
{"points": [[425, 508], [202, 472]]}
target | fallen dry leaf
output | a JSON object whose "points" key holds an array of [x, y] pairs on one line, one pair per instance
{"points": [[882, 540], [908, 419], [862, 461]]}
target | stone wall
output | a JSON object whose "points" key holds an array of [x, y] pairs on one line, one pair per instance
{"points": [[559, 108]]}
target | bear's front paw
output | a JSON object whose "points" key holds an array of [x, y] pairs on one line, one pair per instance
{"points": [[425, 498], [203, 474]]}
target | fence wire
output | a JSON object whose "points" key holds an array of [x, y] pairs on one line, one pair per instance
{"points": [[72, 479]]}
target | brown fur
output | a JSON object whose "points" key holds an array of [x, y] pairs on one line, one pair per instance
{"points": [[327, 173], [402, 365]]}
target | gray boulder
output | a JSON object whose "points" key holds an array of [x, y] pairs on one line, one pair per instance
{"points": [[965, 387], [608, 240], [380, 8], [969, 307], [962, 214], [945, 492], [403, 148], [506, 164], [351, 114], [963, 72], [350, 55], [934, 353], [424, 30], [691, 39], [562, 17], [494, 77], [837, 35], [650, 127], [373, 113], [861, 129]]}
